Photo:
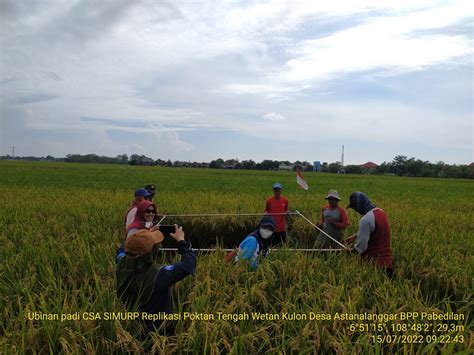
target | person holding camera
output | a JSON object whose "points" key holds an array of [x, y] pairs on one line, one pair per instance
{"points": [[143, 283]]}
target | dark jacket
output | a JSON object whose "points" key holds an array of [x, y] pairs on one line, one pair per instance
{"points": [[143, 283]]}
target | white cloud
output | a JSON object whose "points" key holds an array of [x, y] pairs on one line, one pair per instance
{"points": [[273, 117], [385, 43], [188, 66]]}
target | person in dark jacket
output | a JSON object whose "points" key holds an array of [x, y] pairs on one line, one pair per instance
{"points": [[144, 284], [372, 240], [255, 244]]}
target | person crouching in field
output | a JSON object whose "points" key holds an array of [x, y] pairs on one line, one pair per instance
{"points": [[144, 284], [332, 220], [255, 244], [372, 240]]}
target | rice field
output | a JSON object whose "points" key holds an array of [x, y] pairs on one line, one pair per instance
{"points": [[61, 223]]}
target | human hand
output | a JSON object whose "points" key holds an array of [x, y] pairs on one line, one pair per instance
{"points": [[155, 228], [178, 235], [351, 238]]}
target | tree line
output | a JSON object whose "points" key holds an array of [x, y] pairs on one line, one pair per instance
{"points": [[401, 165]]}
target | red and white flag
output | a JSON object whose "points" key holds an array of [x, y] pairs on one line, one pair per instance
{"points": [[300, 181]]}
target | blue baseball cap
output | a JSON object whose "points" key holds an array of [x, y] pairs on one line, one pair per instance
{"points": [[277, 185], [267, 221], [142, 192]]}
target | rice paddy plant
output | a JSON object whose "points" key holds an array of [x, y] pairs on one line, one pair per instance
{"points": [[60, 224]]}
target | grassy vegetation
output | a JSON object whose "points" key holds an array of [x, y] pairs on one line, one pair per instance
{"points": [[60, 224]]}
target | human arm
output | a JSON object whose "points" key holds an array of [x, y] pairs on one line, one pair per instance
{"points": [[173, 273], [366, 227], [321, 219], [267, 207], [130, 216]]}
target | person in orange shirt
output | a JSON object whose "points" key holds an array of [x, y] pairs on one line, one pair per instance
{"points": [[332, 220], [276, 206]]}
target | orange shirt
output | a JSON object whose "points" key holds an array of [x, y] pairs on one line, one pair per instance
{"points": [[277, 206]]}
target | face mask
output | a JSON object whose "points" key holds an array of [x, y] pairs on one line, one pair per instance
{"points": [[265, 233]]}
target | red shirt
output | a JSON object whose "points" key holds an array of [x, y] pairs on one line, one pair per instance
{"points": [[277, 206]]}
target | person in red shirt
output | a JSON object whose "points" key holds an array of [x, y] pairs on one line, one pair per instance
{"points": [[277, 206], [332, 220]]}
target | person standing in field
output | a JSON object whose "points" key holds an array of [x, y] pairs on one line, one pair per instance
{"points": [[144, 284], [140, 195], [372, 240], [332, 220], [255, 244], [277, 206]]}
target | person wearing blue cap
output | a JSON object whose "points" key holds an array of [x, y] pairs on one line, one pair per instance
{"points": [[255, 244], [277, 206]]}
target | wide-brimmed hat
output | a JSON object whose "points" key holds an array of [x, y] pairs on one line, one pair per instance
{"points": [[333, 194], [141, 243]]}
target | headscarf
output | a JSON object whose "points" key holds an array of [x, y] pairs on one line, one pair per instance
{"points": [[139, 221], [360, 202]]}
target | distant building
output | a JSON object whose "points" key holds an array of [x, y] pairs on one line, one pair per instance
{"points": [[368, 167], [231, 164], [317, 166], [471, 166]]}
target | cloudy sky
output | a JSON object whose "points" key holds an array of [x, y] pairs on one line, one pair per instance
{"points": [[284, 80]]}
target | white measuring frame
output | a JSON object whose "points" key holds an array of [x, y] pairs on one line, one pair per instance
{"points": [[296, 213]]}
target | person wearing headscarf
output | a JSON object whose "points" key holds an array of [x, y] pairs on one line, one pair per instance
{"points": [[144, 216], [255, 244], [140, 195], [372, 240]]}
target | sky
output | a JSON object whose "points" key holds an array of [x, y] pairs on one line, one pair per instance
{"points": [[201, 80]]}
